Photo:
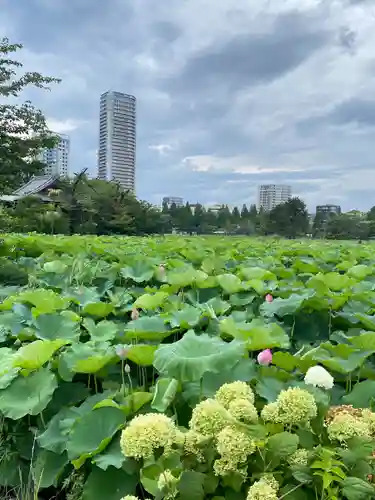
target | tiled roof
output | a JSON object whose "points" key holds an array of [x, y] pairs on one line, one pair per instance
{"points": [[35, 185]]}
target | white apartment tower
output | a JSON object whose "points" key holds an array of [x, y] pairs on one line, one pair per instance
{"points": [[57, 159], [271, 195], [117, 139]]}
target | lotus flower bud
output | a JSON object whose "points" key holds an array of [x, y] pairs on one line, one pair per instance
{"points": [[127, 368], [269, 297], [135, 314], [265, 357]]}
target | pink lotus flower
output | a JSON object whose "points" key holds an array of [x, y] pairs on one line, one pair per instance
{"points": [[269, 297], [265, 357], [135, 314]]}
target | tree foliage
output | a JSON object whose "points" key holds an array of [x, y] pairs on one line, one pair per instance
{"points": [[23, 129], [289, 219]]}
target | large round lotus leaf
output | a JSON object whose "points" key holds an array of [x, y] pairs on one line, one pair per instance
{"points": [[191, 357], [28, 395], [34, 355]]}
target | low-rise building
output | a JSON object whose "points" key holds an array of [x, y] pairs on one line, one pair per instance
{"points": [[170, 200], [325, 211]]}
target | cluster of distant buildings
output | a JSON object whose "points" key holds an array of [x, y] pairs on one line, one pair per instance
{"points": [[269, 196], [116, 156]]}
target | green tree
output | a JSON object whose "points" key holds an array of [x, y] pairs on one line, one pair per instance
{"points": [[289, 219], [244, 212], [23, 129], [236, 216], [198, 219], [349, 227], [224, 218], [253, 213], [183, 218], [371, 214]]}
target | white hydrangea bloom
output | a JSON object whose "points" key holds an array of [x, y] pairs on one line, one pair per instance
{"points": [[319, 377]]}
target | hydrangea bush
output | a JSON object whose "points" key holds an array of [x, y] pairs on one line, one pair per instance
{"points": [[296, 447]]}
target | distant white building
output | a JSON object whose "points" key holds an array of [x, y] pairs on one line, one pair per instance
{"points": [[271, 195], [57, 158], [170, 200]]}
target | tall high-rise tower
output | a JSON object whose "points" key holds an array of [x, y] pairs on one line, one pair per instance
{"points": [[117, 139], [57, 159]]}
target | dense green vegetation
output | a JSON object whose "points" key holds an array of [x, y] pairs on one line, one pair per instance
{"points": [[23, 128], [82, 320]]}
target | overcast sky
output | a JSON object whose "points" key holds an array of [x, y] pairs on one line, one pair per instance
{"points": [[230, 94]]}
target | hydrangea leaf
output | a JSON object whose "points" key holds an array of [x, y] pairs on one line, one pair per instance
{"points": [[282, 445], [191, 485], [354, 488], [191, 357]]}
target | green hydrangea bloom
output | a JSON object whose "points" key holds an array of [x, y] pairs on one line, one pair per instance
{"points": [[270, 413], [130, 497], [243, 410], [262, 490], [236, 390], [209, 418], [234, 447], [299, 457], [369, 417], [195, 443], [296, 406], [345, 426], [147, 433]]}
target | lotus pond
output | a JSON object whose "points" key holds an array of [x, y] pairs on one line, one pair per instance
{"points": [[95, 331]]}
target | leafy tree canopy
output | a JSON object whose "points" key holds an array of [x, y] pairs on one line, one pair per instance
{"points": [[23, 128]]}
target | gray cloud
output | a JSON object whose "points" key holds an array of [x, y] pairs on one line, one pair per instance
{"points": [[250, 59], [356, 110]]}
